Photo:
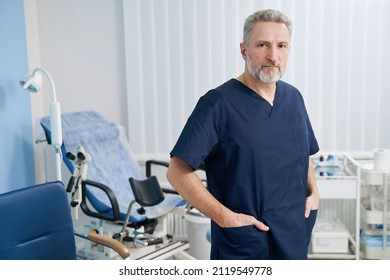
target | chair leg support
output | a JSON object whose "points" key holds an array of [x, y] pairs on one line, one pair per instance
{"points": [[125, 222]]}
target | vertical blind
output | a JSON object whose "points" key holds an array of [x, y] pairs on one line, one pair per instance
{"points": [[176, 50]]}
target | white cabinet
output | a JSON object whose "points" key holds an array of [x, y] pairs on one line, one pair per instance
{"points": [[339, 202], [375, 215]]}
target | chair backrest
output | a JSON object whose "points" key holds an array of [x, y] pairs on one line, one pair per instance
{"points": [[147, 192], [36, 224]]}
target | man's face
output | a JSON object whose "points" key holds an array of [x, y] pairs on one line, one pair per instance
{"points": [[266, 51]]}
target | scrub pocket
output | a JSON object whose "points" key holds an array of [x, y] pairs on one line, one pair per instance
{"points": [[242, 243], [298, 127], [310, 221]]}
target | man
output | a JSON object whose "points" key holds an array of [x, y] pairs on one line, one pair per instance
{"points": [[254, 137]]}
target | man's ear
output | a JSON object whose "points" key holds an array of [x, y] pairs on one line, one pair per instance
{"points": [[243, 51]]}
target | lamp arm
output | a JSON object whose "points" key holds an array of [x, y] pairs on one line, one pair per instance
{"points": [[53, 89], [31, 83], [55, 122]]}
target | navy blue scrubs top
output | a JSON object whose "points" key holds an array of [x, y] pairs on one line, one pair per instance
{"points": [[256, 158]]}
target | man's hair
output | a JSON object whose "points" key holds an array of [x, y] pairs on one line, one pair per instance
{"points": [[265, 16]]}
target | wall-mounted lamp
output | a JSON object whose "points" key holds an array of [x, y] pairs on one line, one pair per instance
{"points": [[32, 82]]}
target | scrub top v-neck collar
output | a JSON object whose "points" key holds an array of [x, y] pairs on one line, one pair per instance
{"points": [[254, 94]]}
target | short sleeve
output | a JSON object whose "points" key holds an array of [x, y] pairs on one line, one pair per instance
{"points": [[313, 144], [314, 148], [199, 135]]}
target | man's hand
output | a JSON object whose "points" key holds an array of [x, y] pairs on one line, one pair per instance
{"points": [[240, 220], [312, 195], [312, 203]]}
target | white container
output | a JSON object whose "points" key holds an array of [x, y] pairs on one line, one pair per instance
{"points": [[198, 226], [382, 160], [329, 237]]}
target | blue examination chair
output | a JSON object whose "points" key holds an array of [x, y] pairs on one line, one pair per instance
{"points": [[114, 180]]}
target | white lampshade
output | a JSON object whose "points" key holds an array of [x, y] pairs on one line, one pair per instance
{"points": [[32, 82]]}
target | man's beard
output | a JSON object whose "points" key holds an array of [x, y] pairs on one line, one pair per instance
{"points": [[271, 77]]}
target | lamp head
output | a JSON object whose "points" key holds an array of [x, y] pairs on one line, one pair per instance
{"points": [[32, 82]]}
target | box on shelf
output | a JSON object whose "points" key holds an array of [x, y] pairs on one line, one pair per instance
{"points": [[372, 247], [329, 236]]}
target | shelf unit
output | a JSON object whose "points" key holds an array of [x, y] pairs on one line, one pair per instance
{"points": [[375, 240], [340, 196]]}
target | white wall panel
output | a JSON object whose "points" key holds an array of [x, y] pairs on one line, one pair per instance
{"points": [[178, 49]]}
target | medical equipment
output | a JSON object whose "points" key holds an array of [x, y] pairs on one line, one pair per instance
{"points": [[338, 181], [32, 82], [330, 236], [329, 165], [80, 161], [106, 193], [198, 234], [375, 207], [146, 192], [38, 225]]}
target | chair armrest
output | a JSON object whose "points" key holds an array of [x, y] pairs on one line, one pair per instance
{"points": [[117, 246], [149, 163], [171, 191], [114, 244], [111, 196]]}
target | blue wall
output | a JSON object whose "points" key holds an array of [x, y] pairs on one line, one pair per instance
{"points": [[16, 144]]}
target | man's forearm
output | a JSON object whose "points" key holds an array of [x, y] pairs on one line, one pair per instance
{"points": [[187, 183]]}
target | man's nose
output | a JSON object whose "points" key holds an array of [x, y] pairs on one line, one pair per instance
{"points": [[272, 53]]}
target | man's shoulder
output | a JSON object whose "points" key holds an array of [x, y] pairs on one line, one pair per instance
{"points": [[287, 87], [227, 86], [222, 90], [289, 91]]}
